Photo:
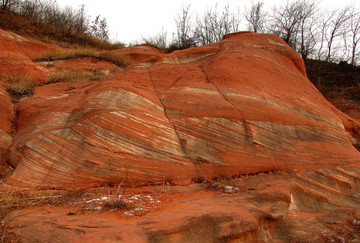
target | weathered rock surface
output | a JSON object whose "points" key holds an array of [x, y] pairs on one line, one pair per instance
{"points": [[242, 106], [16, 56], [314, 206], [6, 119]]}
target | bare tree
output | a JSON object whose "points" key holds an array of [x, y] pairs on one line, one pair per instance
{"points": [[285, 22], [322, 25], [183, 37], [159, 40], [212, 26], [30, 9], [295, 22], [82, 21], [52, 14], [308, 35], [335, 29], [230, 22], [355, 35], [99, 28], [4, 4], [256, 17], [309, 39], [7, 4]]}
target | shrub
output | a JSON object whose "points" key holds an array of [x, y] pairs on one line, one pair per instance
{"points": [[158, 41], [47, 21]]}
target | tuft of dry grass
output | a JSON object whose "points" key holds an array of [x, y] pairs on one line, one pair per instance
{"points": [[78, 76], [115, 203], [18, 199], [20, 85], [67, 54], [119, 60]]}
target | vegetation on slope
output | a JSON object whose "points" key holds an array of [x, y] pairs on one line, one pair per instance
{"points": [[335, 80], [47, 21], [69, 28], [117, 59]]}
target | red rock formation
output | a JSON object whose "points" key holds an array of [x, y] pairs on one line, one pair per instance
{"points": [[241, 108], [6, 120], [16, 56], [243, 105]]}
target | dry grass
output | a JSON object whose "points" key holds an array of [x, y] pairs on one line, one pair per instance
{"points": [[115, 203], [8, 201], [78, 76], [23, 85], [116, 200], [28, 26], [14, 200], [81, 198], [67, 54], [20, 85], [117, 59]]}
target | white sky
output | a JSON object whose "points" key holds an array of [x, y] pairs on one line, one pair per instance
{"points": [[128, 20]]}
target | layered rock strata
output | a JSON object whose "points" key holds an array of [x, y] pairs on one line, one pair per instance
{"points": [[243, 105]]}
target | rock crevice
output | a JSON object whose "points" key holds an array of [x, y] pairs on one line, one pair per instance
{"points": [[181, 142]]}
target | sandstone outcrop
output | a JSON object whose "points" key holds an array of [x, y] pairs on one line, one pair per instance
{"points": [[241, 107], [16, 56]]}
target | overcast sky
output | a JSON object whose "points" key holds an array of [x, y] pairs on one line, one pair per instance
{"points": [[128, 20]]}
